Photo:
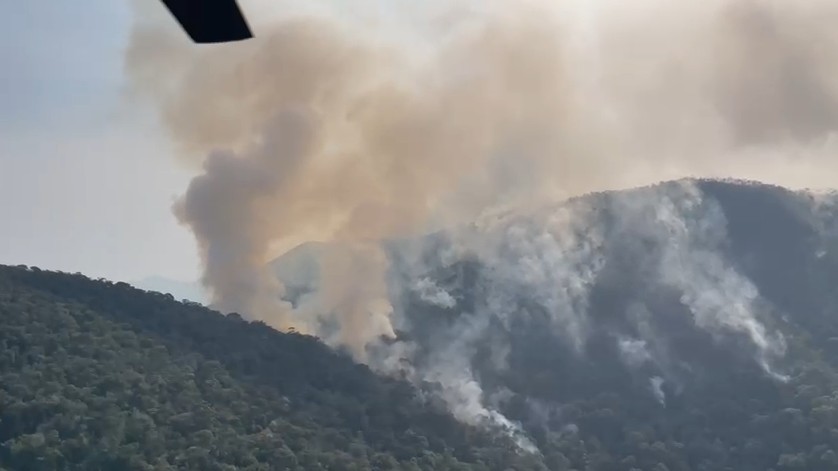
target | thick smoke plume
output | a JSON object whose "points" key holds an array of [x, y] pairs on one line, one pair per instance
{"points": [[389, 121], [475, 105]]}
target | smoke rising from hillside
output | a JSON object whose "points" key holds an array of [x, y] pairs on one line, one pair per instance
{"points": [[330, 126], [505, 100], [605, 272]]}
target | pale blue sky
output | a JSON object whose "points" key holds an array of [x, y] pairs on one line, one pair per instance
{"points": [[86, 181]]}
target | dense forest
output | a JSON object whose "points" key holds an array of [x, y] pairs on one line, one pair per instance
{"points": [[97, 375], [102, 376]]}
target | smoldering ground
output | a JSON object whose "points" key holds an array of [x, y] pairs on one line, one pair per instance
{"points": [[331, 125]]}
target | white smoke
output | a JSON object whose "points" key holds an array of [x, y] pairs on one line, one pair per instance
{"points": [[692, 234], [546, 262], [432, 294], [634, 351], [656, 384]]}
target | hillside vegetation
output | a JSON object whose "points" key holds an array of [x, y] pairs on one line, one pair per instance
{"points": [[684, 327], [102, 376]]}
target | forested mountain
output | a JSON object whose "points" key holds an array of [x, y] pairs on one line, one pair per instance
{"points": [[103, 376], [688, 326], [685, 326]]}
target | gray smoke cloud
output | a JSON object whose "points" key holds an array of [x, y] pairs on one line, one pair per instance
{"points": [[389, 121], [225, 205]]}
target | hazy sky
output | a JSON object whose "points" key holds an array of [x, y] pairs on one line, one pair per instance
{"points": [[86, 182]]}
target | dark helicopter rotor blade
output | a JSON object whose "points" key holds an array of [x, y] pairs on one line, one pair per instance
{"points": [[210, 21]]}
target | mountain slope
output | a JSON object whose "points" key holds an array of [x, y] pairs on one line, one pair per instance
{"points": [[97, 375], [689, 325]]}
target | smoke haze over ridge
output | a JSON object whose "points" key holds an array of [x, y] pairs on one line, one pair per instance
{"points": [[338, 126]]}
